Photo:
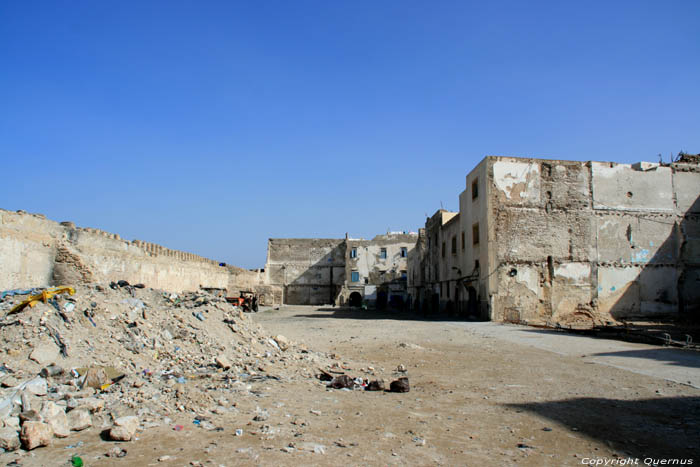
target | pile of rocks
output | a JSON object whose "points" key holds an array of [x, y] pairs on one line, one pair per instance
{"points": [[124, 357]]}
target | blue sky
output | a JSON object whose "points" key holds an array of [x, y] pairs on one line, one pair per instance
{"points": [[211, 126]]}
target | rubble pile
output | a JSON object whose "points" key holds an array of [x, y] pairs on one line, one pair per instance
{"points": [[125, 357]]}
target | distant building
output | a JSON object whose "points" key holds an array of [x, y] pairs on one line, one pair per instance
{"points": [[341, 271], [552, 241]]}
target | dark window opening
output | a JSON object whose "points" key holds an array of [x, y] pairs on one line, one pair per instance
{"points": [[475, 234], [443, 249], [404, 251], [475, 189], [353, 253], [462, 239], [382, 253], [454, 245]]}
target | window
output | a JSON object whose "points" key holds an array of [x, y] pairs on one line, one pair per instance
{"points": [[454, 245], [443, 249], [353, 253], [355, 276], [404, 274], [404, 251], [475, 234], [382, 253], [475, 188], [476, 265], [462, 239]]}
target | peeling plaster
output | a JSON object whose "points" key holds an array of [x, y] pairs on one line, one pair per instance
{"points": [[517, 180]]}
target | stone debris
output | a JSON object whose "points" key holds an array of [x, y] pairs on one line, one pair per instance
{"points": [[55, 416], [79, 419], [36, 434], [9, 439], [124, 428], [134, 357]]}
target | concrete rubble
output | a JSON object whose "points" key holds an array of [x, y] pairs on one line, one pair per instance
{"points": [[133, 357]]}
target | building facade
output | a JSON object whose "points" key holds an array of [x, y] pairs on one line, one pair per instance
{"points": [[341, 271], [552, 241]]}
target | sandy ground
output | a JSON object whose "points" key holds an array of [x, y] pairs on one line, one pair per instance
{"points": [[481, 394]]}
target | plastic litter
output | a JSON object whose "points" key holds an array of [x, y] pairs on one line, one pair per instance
{"points": [[76, 461], [44, 296]]}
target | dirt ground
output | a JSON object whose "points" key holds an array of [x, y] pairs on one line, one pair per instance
{"points": [[474, 400]]}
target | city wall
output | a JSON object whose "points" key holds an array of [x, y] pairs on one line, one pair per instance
{"points": [[38, 252]]}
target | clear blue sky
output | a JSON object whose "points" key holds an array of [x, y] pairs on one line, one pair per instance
{"points": [[210, 126]]}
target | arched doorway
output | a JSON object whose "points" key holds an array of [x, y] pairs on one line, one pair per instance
{"points": [[355, 299], [473, 305]]}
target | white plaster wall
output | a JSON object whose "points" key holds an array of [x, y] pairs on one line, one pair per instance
{"points": [[620, 187], [518, 182], [575, 273]]}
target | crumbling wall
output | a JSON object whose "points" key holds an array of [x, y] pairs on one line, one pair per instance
{"points": [[376, 269], [592, 241], [37, 252], [309, 271]]}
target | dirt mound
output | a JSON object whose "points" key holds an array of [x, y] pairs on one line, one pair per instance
{"points": [[122, 350]]}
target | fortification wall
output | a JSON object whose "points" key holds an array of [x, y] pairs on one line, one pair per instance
{"points": [[38, 252]]}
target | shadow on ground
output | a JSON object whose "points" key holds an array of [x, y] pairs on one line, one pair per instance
{"points": [[359, 313], [667, 427], [677, 357]]}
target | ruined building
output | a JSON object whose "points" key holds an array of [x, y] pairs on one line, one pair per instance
{"points": [[314, 271], [551, 241]]}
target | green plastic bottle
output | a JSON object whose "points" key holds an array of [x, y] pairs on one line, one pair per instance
{"points": [[77, 461]]}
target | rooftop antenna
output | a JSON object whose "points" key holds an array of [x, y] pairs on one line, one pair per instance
{"points": [[441, 205]]}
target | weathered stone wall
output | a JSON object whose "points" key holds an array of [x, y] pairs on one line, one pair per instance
{"points": [[374, 271], [37, 252], [310, 271], [590, 241]]}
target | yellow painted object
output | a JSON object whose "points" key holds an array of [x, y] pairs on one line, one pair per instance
{"points": [[43, 297]]}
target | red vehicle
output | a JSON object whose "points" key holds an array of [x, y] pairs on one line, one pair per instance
{"points": [[248, 300]]}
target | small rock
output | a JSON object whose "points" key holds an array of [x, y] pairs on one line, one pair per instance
{"points": [[222, 362], [124, 428], [92, 404], [96, 378], [165, 458], [79, 419], [45, 353], [29, 416], [116, 451], [9, 439], [401, 368], [12, 422], [282, 342], [36, 434], [55, 416], [9, 382], [261, 415]]}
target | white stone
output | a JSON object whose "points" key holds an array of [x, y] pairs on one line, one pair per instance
{"points": [[9, 439], [79, 419], [45, 353], [55, 416]]}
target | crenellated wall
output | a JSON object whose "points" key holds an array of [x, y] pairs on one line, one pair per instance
{"points": [[38, 252]]}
